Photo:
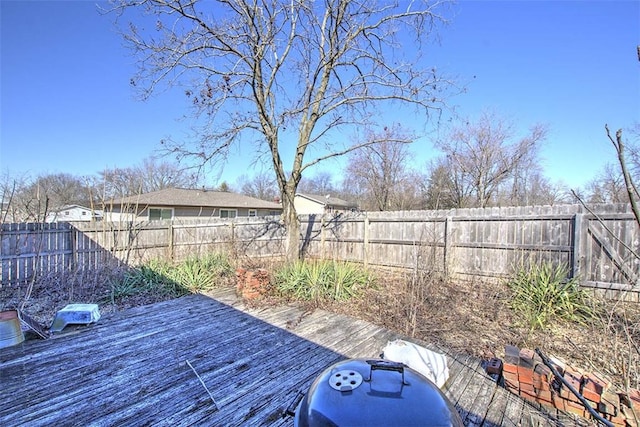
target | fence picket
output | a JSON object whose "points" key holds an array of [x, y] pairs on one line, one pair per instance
{"points": [[461, 243]]}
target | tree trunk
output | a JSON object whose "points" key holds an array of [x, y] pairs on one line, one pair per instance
{"points": [[292, 240], [292, 227]]}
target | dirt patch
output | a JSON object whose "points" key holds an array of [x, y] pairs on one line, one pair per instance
{"points": [[475, 318]]}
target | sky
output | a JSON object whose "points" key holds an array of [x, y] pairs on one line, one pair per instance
{"points": [[66, 104]]}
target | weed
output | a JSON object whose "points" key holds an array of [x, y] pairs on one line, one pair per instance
{"points": [[321, 280], [194, 274], [542, 294], [201, 273]]}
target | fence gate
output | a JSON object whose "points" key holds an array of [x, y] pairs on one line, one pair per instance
{"points": [[608, 251]]}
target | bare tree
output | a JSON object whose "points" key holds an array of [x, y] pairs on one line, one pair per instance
{"points": [[446, 187], [264, 71], [261, 186], [10, 189], [485, 155], [629, 182], [29, 200], [150, 175], [380, 169], [319, 183], [607, 187]]}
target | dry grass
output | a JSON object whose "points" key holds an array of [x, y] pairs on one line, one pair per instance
{"points": [[475, 318], [466, 317], [53, 291]]}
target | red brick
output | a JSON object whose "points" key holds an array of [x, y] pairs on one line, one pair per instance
{"points": [[528, 396], [510, 374], [525, 376], [618, 421], [509, 367], [543, 372], [528, 388], [571, 372], [526, 358], [594, 383], [541, 381], [544, 395], [591, 395], [559, 402], [573, 380], [611, 401], [513, 387], [606, 408], [541, 386], [576, 408], [569, 395], [494, 366], [511, 354]]}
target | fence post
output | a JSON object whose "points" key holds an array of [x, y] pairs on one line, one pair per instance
{"points": [[170, 241], [365, 246], [73, 242], [447, 245], [323, 242], [576, 250]]}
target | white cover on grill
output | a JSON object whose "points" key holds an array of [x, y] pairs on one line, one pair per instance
{"points": [[429, 363]]}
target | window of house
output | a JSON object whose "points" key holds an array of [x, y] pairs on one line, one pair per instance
{"points": [[228, 213], [156, 214], [253, 212]]}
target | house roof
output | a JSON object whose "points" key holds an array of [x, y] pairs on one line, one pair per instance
{"points": [[327, 200], [197, 198]]}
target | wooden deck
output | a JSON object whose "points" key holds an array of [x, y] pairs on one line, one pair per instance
{"points": [[132, 368]]}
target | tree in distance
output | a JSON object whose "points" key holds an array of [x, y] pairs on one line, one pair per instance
{"points": [[290, 77]]}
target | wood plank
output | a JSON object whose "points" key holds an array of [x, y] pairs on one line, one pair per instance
{"points": [[130, 368]]}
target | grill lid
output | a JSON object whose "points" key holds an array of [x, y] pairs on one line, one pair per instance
{"points": [[361, 392]]}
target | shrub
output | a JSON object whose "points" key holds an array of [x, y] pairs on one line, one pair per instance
{"points": [[159, 277], [152, 277], [201, 273], [542, 293], [321, 280]]}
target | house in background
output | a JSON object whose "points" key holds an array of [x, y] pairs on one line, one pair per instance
{"points": [[307, 204], [74, 213], [187, 204]]}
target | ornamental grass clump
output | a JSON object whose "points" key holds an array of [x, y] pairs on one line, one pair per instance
{"points": [[321, 280], [161, 278], [150, 278], [542, 294], [201, 273]]}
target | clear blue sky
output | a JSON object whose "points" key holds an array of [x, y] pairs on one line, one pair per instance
{"points": [[66, 104]]}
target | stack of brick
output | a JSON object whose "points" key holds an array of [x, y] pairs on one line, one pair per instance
{"points": [[523, 373], [252, 284]]}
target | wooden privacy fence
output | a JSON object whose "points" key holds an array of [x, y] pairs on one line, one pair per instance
{"points": [[600, 245]]}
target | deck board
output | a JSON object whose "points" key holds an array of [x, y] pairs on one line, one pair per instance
{"points": [[130, 368]]}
